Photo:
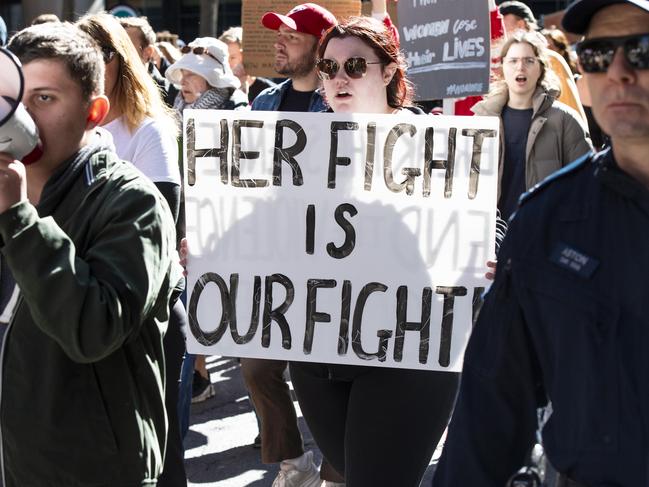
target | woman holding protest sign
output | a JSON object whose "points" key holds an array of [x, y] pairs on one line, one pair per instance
{"points": [[539, 135], [378, 426]]}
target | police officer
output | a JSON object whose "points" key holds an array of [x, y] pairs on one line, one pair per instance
{"points": [[567, 317]]}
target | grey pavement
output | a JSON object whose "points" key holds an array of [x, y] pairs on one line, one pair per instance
{"points": [[218, 447]]}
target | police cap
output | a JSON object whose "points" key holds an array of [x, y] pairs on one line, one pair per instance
{"points": [[578, 14]]}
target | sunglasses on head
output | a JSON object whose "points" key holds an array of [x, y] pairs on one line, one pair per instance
{"points": [[596, 55], [355, 67], [200, 50]]}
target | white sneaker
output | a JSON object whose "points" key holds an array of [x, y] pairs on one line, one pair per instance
{"points": [[329, 483], [290, 476]]}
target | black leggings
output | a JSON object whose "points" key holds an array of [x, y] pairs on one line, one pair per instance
{"points": [[173, 473], [379, 426]]}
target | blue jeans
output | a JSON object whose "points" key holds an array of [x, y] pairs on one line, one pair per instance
{"points": [[185, 392], [186, 382]]}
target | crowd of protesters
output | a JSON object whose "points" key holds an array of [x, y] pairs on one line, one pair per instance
{"points": [[92, 248]]}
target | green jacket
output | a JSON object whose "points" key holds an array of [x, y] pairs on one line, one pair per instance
{"points": [[82, 392]]}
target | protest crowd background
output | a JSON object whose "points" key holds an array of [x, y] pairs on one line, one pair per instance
{"points": [[372, 420]]}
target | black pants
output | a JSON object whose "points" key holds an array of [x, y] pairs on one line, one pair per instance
{"points": [[378, 426], [173, 473]]}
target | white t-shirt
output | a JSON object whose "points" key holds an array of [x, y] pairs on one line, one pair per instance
{"points": [[151, 148]]}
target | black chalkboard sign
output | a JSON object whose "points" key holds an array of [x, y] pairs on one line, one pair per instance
{"points": [[446, 43]]}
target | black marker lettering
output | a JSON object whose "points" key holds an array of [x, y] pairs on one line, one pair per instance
{"points": [[447, 164], [369, 155], [212, 337], [288, 154], [313, 316], [254, 313], [383, 335], [277, 314], [345, 309], [238, 154], [350, 234], [310, 229], [334, 160], [447, 321], [410, 172], [479, 136], [192, 153], [423, 326]]}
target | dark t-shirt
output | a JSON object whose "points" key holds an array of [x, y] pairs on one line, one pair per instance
{"points": [[295, 101], [257, 87], [516, 125]]}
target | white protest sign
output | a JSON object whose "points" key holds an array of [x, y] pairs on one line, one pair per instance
{"points": [[351, 239]]}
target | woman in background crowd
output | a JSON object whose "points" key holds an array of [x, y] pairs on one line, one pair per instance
{"points": [[539, 134], [558, 42], [205, 78], [143, 128], [517, 16], [144, 132]]}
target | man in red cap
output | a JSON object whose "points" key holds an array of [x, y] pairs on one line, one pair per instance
{"points": [[298, 33]]}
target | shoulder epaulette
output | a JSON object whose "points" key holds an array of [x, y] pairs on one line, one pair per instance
{"points": [[561, 173]]}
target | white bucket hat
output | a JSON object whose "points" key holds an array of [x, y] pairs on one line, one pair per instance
{"points": [[206, 57]]}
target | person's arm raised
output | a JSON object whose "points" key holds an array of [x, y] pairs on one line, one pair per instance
{"points": [[380, 12], [91, 297]]}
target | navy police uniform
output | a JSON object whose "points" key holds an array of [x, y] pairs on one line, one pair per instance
{"points": [[566, 319]]}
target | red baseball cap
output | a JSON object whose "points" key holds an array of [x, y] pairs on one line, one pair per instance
{"points": [[307, 17]]}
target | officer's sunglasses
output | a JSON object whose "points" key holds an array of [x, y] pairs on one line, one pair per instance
{"points": [[596, 55], [355, 67], [201, 51]]}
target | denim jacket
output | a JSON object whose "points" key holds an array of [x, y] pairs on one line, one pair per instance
{"points": [[270, 99]]}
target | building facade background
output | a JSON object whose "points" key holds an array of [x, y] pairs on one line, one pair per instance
{"points": [[187, 18]]}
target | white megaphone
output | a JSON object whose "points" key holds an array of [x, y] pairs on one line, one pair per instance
{"points": [[18, 132]]}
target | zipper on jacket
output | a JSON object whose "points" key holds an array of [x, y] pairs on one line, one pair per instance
{"points": [[2, 359]]}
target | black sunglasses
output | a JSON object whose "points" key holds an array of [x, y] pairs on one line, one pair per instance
{"points": [[596, 55], [200, 50], [355, 67]]}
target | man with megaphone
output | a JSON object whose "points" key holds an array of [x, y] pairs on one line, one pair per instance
{"points": [[89, 244]]}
